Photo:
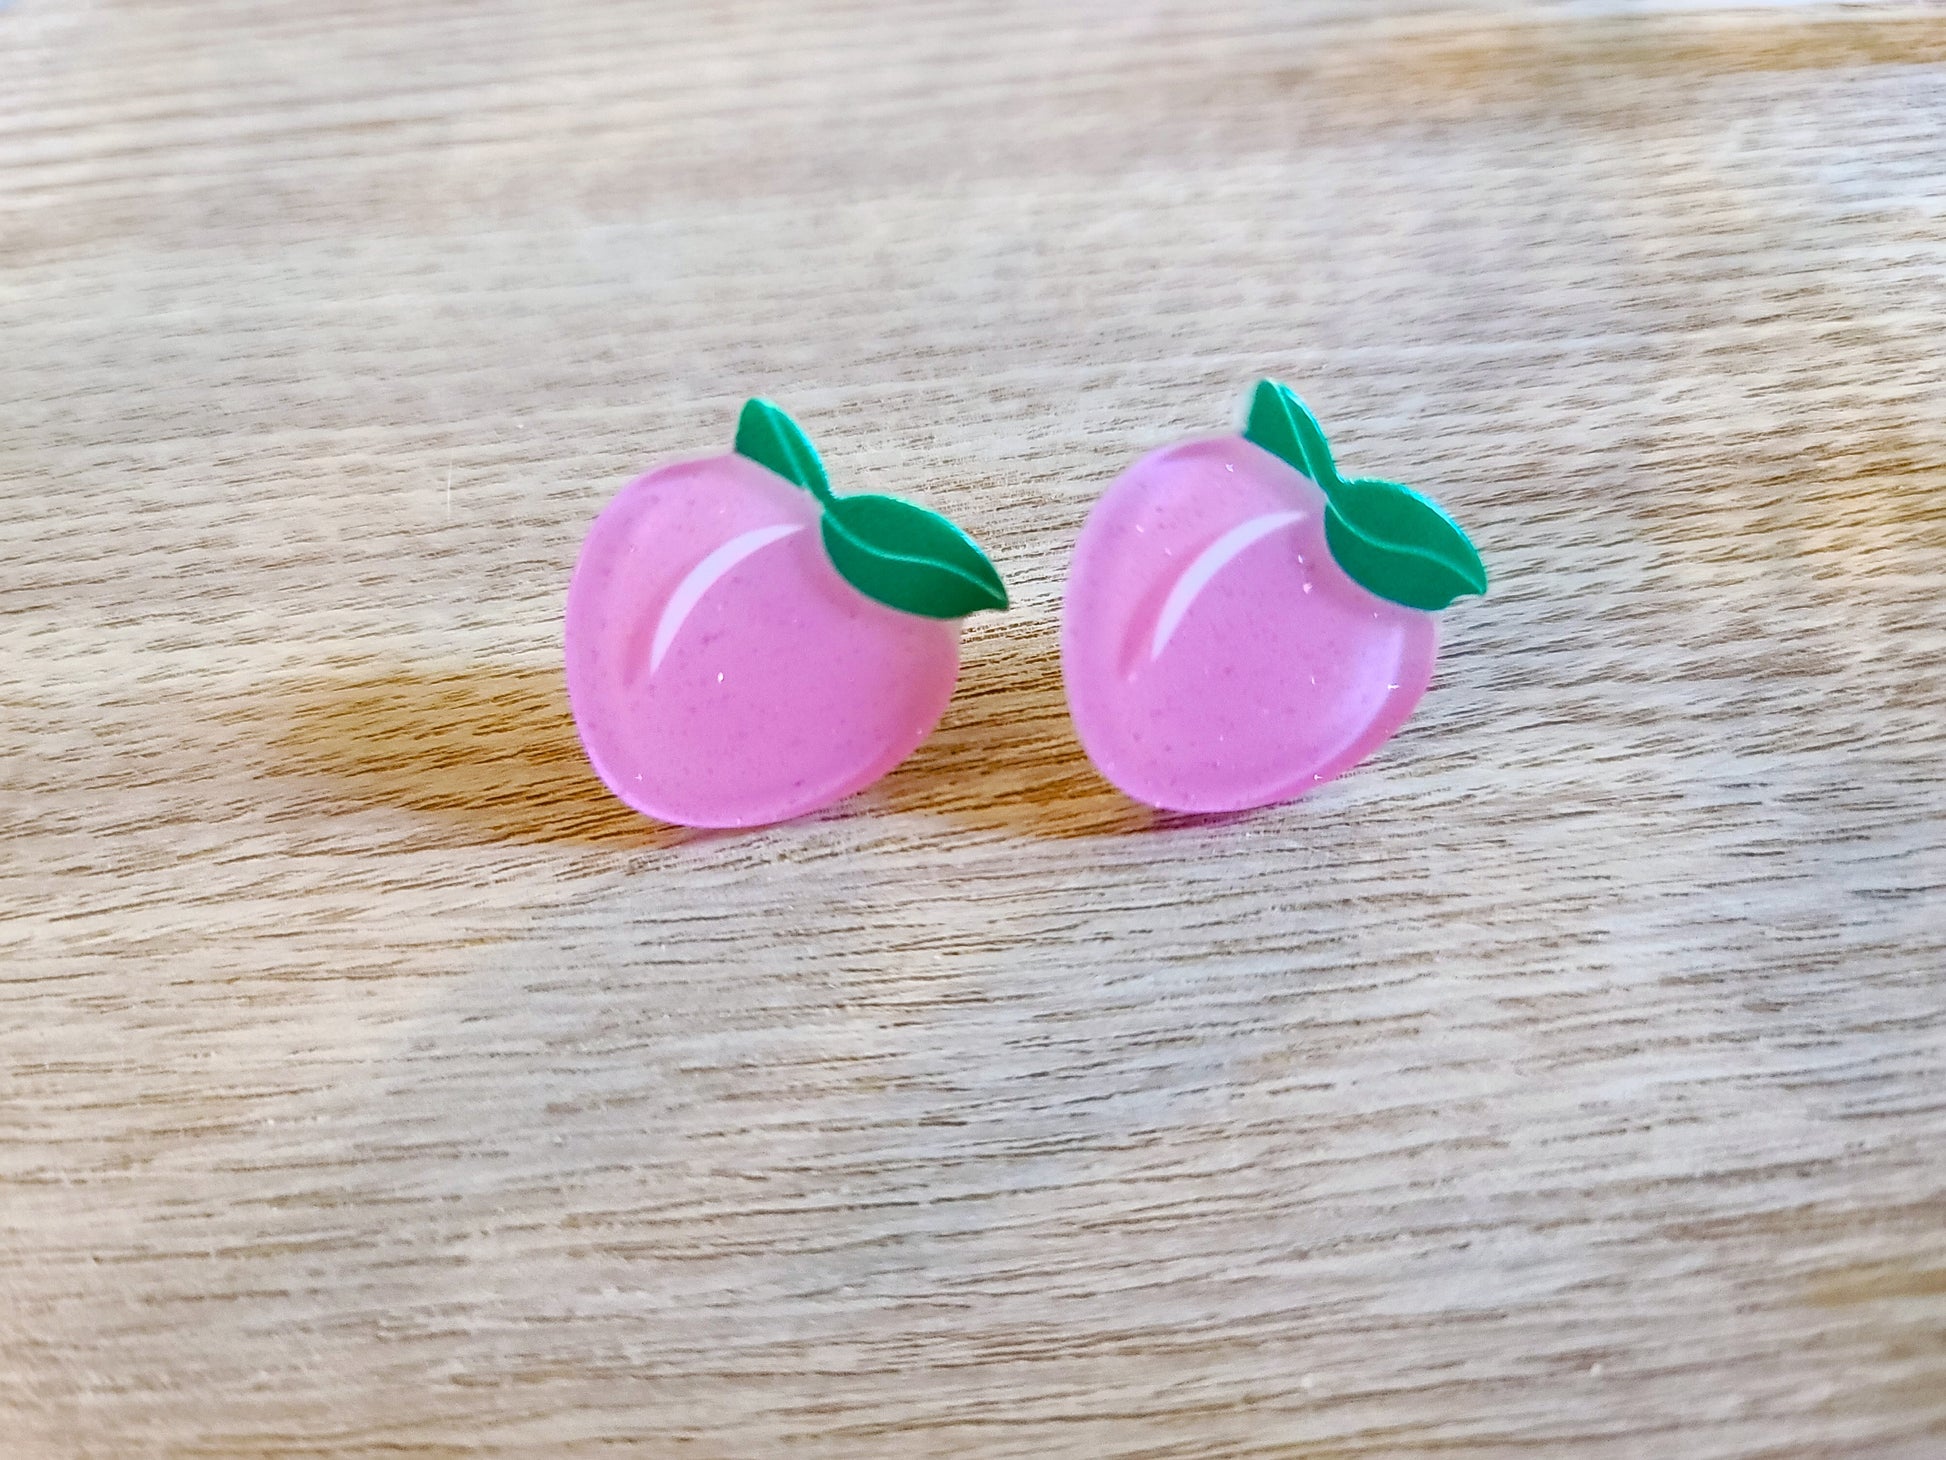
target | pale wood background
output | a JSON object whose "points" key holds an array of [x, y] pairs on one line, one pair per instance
{"points": [[1569, 1081]]}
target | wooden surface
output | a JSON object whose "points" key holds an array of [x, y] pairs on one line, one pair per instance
{"points": [[1571, 1080]]}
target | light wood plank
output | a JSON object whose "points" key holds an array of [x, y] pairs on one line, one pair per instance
{"points": [[1566, 1081]]}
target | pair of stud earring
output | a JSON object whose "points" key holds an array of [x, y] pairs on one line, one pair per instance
{"points": [[745, 645]]}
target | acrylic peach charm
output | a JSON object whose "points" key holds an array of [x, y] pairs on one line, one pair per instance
{"points": [[1242, 624], [744, 646]]}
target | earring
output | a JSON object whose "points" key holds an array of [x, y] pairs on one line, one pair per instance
{"points": [[1241, 623], [744, 646]]}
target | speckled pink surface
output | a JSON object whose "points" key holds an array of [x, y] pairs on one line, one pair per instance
{"points": [[1216, 657], [721, 673]]}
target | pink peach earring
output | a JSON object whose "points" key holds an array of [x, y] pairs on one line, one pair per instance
{"points": [[1242, 624], [743, 645]]}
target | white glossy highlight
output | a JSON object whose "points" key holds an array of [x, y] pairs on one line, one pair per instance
{"points": [[701, 578], [1211, 561]]}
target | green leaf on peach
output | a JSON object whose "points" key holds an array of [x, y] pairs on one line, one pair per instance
{"points": [[768, 436], [1401, 545], [1389, 539], [909, 558]]}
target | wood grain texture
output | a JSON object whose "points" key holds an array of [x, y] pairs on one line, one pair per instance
{"points": [[1570, 1080]]}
